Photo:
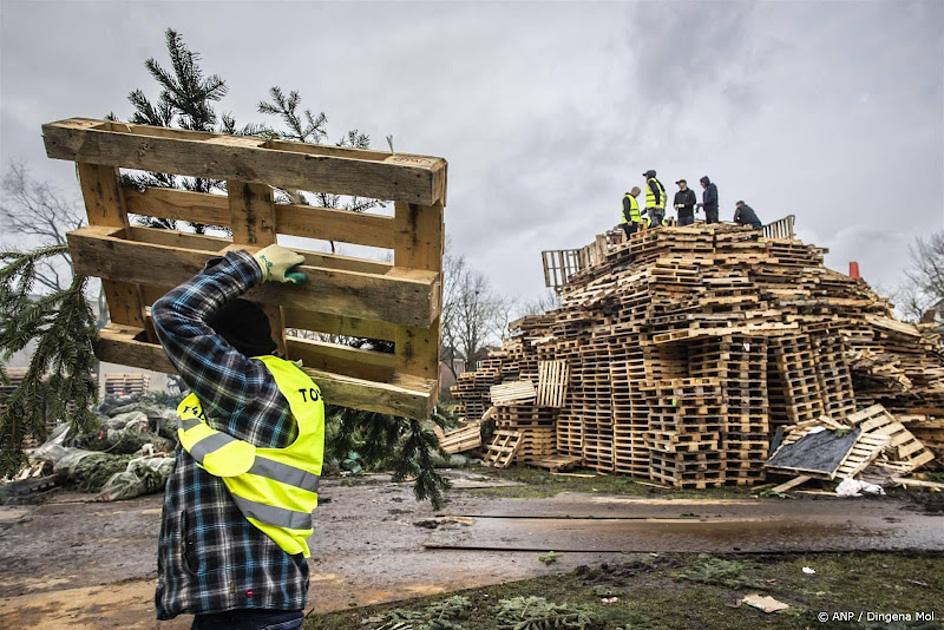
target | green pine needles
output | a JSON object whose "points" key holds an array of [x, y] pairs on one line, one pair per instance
{"points": [[59, 382]]}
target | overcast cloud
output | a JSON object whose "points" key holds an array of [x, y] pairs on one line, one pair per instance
{"points": [[548, 112]]}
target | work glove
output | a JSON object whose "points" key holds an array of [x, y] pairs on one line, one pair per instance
{"points": [[276, 263]]}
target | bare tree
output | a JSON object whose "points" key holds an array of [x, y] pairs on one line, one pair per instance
{"points": [[473, 314], [31, 208], [540, 304], [923, 288]]}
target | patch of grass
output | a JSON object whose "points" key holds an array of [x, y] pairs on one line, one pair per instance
{"points": [[542, 484], [718, 571], [656, 599]]}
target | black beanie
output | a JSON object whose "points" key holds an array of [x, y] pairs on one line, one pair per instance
{"points": [[245, 326]]}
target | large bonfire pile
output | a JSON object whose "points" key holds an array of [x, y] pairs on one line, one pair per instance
{"points": [[681, 353]]}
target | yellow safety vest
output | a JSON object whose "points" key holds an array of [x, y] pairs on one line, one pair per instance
{"points": [[634, 215], [651, 198], [276, 489]]}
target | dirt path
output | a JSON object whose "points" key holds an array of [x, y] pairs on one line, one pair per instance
{"points": [[87, 565]]}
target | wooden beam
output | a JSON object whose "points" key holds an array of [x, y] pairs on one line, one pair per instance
{"points": [[181, 205], [405, 297], [105, 206], [404, 395], [332, 357], [252, 221], [378, 175], [340, 325], [420, 239]]}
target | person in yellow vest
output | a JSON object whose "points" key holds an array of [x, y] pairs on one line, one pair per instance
{"points": [[655, 198], [632, 219], [237, 508]]}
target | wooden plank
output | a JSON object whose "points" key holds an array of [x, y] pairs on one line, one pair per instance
{"points": [[343, 226], [512, 393], [182, 205], [375, 174], [105, 206], [404, 395], [252, 222], [399, 297], [340, 325], [332, 357], [419, 242]]}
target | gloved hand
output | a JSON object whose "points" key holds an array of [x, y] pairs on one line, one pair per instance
{"points": [[276, 262]]}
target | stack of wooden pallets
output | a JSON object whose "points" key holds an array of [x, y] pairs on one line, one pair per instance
{"points": [[688, 348]]}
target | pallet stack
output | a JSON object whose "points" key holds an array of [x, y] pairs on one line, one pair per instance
{"points": [[689, 347]]}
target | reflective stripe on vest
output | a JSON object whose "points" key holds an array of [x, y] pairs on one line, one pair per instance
{"points": [[276, 489], [651, 198], [634, 215]]}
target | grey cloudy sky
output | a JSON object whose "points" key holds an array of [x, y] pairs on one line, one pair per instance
{"points": [[547, 112]]}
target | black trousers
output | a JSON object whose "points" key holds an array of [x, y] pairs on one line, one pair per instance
{"points": [[711, 215], [630, 228], [250, 619], [686, 217]]}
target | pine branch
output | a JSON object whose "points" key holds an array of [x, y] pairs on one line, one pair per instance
{"points": [[59, 381]]}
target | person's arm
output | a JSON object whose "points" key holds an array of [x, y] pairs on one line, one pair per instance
{"points": [[737, 215], [224, 379], [626, 209], [691, 198]]}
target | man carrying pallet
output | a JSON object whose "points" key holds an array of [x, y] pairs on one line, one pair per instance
{"points": [[655, 198], [633, 219], [237, 508]]}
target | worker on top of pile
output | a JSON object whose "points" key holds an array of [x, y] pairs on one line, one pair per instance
{"points": [[632, 218], [709, 200], [237, 508], [655, 198], [685, 203], [745, 215]]}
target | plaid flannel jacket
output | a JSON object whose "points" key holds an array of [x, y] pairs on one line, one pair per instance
{"points": [[210, 558]]}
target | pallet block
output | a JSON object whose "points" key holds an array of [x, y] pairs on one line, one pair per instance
{"points": [[398, 302]]}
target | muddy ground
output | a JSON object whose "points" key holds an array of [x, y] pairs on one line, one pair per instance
{"points": [[69, 563]]}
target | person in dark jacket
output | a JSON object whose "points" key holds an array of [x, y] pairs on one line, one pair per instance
{"points": [[745, 215], [685, 203], [709, 200]]}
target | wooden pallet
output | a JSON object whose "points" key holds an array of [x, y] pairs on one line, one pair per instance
{"points": [[502, 449], [512, 393], [463, 439], [397, 302], [122, 383], [904, 447], [552, 383]]}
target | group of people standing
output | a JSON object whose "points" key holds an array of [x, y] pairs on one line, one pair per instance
{"points": [[685, 203]]}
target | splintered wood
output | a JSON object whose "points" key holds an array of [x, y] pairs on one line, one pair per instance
{"points": [[397, 302], [688, 348]]}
